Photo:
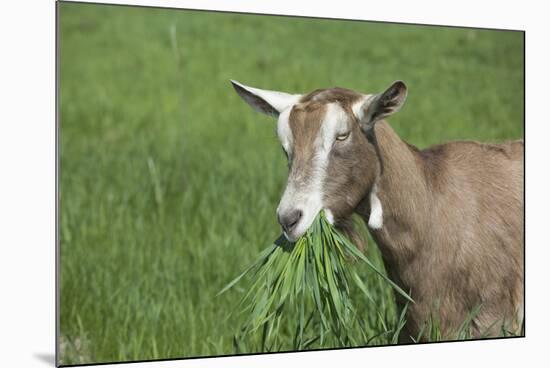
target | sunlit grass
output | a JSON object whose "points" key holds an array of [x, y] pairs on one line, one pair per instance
{"points": [[169, 183], [307, 283]]}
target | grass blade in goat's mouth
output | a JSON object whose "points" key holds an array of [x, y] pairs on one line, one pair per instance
{"points": [[307, 282]]}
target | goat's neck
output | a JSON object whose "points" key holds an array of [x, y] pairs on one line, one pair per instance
{"points": [[400, 188]]}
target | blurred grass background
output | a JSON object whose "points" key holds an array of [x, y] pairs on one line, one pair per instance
{"points": [[169, 182]]}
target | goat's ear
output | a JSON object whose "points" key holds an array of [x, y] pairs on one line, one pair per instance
{"points": [[268, 102], [382, 105]]}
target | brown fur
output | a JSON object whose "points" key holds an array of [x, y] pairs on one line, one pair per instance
{"points": [[452, 230], [348, 172], [343, 96], [453, 214]]}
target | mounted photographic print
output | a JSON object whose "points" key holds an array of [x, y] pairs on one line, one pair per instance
{"points": [[241, 183]]}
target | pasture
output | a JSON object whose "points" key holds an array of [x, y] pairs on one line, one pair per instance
{"points": [[169, 182]]}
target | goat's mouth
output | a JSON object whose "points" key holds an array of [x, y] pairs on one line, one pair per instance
{"points": [[292, 235], [291, 238], [296, 224]]}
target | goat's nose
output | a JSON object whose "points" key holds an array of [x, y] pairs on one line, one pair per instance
{"points": [[289, 220]]}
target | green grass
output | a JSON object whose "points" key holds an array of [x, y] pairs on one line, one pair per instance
{"points": [[307, 287], [169, 182]]}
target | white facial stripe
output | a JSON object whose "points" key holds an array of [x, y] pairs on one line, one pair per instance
{"points": [[375, 219], [283, 130], [310, 199], [334, 123], [358, 108]]}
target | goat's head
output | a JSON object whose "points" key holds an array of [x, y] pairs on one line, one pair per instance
{"points": [[324, 134]]}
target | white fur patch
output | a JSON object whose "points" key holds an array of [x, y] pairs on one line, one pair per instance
{"points": [[283, 130], [329, 216], [376, 213], [278, 100], [334, 124]]}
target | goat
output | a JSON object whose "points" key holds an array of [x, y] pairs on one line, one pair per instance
{"points": [[448, 219]]}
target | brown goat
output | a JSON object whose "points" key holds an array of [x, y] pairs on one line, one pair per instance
{"points": [[448, 219]]}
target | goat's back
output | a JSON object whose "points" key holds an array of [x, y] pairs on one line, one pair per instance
{"points": [[476, 219]]}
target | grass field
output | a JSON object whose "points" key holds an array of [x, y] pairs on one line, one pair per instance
{"points": [[169, 182]]}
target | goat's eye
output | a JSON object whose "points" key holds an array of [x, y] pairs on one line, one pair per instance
{"points": [[342, 137]]}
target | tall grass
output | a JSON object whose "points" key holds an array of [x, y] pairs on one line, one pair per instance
{"points": [[307, 282], [169, 185]]}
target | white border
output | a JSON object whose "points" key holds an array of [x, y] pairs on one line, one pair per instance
{"points": [[27, 181]]}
